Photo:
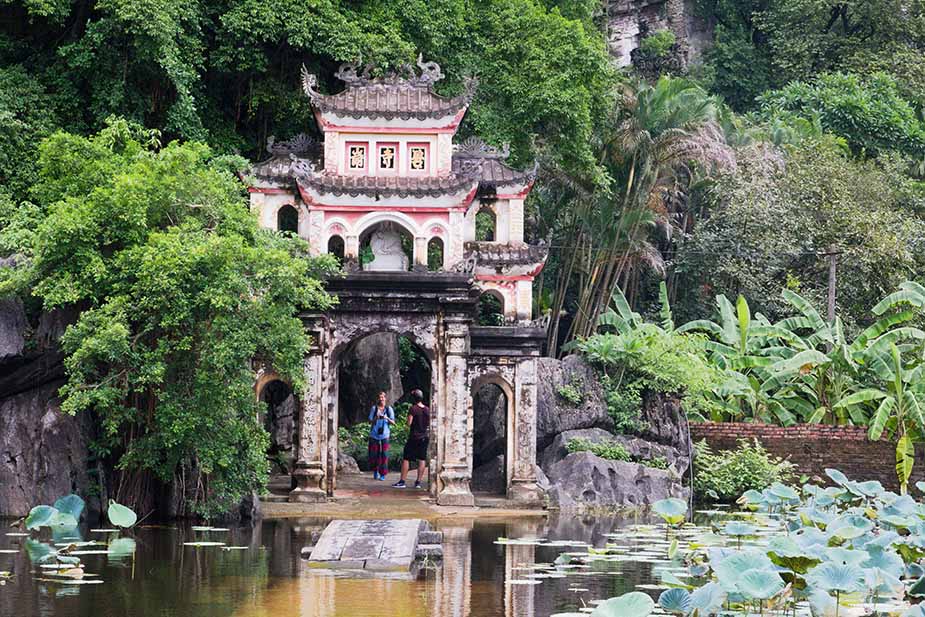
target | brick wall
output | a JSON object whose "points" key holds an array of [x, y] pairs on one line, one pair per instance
{"points": [[814, 447]]}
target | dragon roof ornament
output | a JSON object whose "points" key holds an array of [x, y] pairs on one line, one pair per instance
{"points": [[474, 147]]}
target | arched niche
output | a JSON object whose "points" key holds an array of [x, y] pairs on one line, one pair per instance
{"points": [[336, 247], [491, 308], [287, 220], [436, 254], [404, 244], [486, 224]]}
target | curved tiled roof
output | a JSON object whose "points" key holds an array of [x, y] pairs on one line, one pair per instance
{"points": [[494, 171], [406, 95], [388, 186]]}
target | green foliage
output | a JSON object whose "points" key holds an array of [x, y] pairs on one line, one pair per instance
{"points": [[354, 440], [613, 451], [725, 475], [181, 290], [571, 393], [610, 450], [869, 111], [658, 44]]}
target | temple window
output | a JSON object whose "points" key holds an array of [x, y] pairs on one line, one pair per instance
{"points": [[491, 309], [417, 158], [336, 247], [388, 157], [287, 220], [356, 156], [485, 225], [435, 255]]}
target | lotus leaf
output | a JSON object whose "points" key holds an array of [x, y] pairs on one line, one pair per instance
{"points": [[632, 604], [40, 516], [121, 516], [782, 491], [731, 568], [672, 510], [837, 477], [918, 589], [738, 528], [122, 547], [887, 560], [846, 556], [760, 584], [675, 601], [708, 599], [831, 577], [70, 504], [871, 488]]}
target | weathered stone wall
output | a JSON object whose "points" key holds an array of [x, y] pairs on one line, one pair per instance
{"points": [[813, 448], [627, 20]]}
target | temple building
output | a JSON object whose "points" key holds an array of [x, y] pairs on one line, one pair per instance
{"points": [[424, 227]]}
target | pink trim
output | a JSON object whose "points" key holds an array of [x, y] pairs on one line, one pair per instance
{"points": [[529, 276], [268, 191], [355, 144], [427, 159], [350, 128], [405, 209], [396, 160], [521, 195]]}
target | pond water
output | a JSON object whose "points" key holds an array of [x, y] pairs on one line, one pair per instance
{"points": [[264, 574]]}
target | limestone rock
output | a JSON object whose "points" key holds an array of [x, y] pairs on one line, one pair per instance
{"points": [[13, 325], [554, 414], [346, 463], [489, 477], [583, 481], [43, 452], [678, 460], [489, 409], [371, 365]]}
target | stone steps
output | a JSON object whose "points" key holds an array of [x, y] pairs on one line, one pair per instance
{"points": [[380, 544]]}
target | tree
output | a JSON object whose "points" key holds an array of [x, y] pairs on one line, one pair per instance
{"points": [[180, 291]]}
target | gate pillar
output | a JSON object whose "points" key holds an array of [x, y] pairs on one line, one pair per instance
{"points": [[456, 420], [310, 467]]}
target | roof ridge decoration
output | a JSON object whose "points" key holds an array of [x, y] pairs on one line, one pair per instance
{"points": [[406, 93], [475, 147], [301, 144]]}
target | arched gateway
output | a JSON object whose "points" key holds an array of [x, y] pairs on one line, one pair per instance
{"points": [[387, 182]]}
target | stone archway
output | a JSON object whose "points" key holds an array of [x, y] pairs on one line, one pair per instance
{"points": [[436, 311]]}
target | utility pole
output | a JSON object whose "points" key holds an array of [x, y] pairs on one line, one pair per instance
{"points": [[832, 253]]}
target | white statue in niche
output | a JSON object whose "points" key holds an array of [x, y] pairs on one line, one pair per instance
{"points": [[387, 252]]}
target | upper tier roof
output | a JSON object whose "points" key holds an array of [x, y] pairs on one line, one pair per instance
{"points": [[405, 95]]}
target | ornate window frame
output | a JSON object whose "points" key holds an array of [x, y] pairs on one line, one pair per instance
{"points": [[348, 147], [412, 145], [396, 162]]}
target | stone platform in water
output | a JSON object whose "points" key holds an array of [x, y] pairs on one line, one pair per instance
{"points": [[385, 544]]}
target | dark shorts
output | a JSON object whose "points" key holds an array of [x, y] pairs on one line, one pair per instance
{"points": [[415, 450]]}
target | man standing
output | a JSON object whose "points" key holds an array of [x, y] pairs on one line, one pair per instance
{"points": [[418, 439]]}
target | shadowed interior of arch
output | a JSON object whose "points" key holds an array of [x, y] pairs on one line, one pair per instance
{"points": [[489, 439], [381, 361], [491, 309], [280, 421], [287, 219]]}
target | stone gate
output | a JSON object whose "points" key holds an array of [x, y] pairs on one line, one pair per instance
{"points": [[426, 231]]}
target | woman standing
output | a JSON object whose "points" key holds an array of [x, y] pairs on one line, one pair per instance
{"points": [[381, 416]]}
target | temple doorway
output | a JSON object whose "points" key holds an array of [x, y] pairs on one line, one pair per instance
{"points": [[386, 246], [280, 422], [379, 362], [489, 442]]}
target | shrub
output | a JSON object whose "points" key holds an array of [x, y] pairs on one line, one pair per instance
{"points": [[354, 440], [571, 393], [658, 44], [725, 475], [613, 451]]}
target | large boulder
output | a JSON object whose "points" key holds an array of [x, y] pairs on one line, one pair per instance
{"points": [[346, 464], [555, 414], [663, 420], [489, 424], [640, 449], [583, 481], [13, 325], [370, 366], [43, 452], [490, 477]]}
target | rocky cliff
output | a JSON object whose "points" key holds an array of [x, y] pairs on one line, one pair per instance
{"points": [[629, 21], [43, 452]]}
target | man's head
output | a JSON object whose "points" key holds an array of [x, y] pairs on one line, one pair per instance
{"points": [[382, 398], [417, 396]]}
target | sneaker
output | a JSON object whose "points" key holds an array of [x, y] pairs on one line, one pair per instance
{"points": [[381, 477], [417, 484], [399, 484], [376, 475]]}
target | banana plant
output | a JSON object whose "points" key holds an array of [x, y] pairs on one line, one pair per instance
{"points": [[898, 406]]}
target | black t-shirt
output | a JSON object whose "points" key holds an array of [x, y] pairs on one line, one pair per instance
{"points": [[420, 422]]}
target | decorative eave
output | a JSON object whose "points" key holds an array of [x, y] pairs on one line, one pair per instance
{"points": [[496, 177], [379, 187], [287, 159], [405, 95], [493, 254]]}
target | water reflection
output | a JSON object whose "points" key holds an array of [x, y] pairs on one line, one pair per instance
{"points": [[476, 577]]}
